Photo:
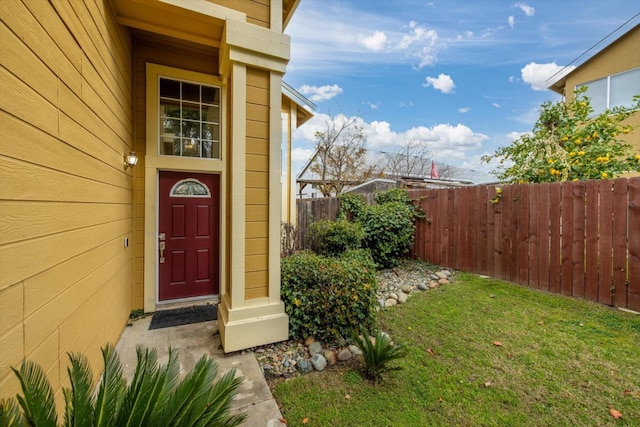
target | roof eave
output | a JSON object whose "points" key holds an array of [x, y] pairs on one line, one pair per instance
{"points": [[288, 9]]}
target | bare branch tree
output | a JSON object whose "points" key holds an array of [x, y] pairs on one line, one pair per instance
{"points": [[341, 158], [446, 171], [413, 158]]}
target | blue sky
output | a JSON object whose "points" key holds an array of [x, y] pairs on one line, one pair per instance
{"points": [[463, 76]]}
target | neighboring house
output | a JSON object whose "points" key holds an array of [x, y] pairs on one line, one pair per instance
{"points": [[308, 180], [194, 88], [296, 110], [612, 76], [376, 185]]}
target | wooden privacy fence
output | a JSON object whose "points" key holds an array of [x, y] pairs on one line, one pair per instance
{"points": [[575, 238]]}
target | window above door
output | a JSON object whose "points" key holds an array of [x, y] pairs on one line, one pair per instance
{"points": [[189, 119]]}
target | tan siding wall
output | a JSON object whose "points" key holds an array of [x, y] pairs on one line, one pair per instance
{"points": [[171, 55], [258, 11], [257, 182], [65, 124]]}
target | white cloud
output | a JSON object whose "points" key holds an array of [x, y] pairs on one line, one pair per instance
{"points": [[443, 83], [422, 38], [512, 136], [301, 154], [475, 163], [320, 93], [527, 116], [539, 76], [448, 143], [512, 79], [511, 20], [528, 10], [375, 42], [326, 36], [463, 110], [373, 106], [495, 104]]}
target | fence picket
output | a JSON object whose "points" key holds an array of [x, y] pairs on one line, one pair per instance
{"points": [[523, 236], [507, 219], [514, 238], [457, 233], [591, 241], [566, 233], [449, 207], [543, 237], [633, 290], [483, 203], [620, 221], [534, 229], [432, 232], [577, 255], [555, 218], [605, 242]]}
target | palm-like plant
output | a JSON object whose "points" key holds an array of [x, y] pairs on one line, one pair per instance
{"points": [[155, 397], [378, 350]]}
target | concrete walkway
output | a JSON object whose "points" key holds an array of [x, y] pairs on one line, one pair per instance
{"points": [[192, 341]]}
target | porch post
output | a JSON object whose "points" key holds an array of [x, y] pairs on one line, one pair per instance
{"points": [[251, 312]]}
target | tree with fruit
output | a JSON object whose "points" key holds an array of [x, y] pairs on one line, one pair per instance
{"points": [[569, 144]]}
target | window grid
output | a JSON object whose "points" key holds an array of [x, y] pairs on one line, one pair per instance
{"points": [[189, 119]]}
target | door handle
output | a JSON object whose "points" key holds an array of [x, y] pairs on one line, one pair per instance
{"points": [[162, 247]]}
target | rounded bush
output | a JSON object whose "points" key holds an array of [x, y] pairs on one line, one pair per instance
{"points": [[327, 297], [389, 231], [332, 238]]}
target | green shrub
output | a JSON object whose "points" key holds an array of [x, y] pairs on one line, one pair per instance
{"points": [[377, 350], [155, 397], [393, 195], [332, 238], [351, 206], [389, 225], [389, 230], [327, 297]]}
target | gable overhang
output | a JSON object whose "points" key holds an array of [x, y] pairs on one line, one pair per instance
{"points": [[196, 21], [305, 109], [288, 9], [558, 87]]}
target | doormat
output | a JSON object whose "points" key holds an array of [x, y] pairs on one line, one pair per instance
{"points": [[183, 316]]}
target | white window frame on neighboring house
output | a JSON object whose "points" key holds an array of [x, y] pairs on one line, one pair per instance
{"points": [[599, 91]]}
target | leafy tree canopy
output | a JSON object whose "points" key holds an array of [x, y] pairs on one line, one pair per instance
{"points": [[569, 144]]}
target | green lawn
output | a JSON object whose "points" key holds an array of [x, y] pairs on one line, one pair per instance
{"points": [[561, 362]]}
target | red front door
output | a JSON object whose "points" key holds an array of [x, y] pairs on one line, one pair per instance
{"points": [[188, 233]]}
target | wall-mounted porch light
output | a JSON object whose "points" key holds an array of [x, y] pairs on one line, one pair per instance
{"points": [[130, 160]]}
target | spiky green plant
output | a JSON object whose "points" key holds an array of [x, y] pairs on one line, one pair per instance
{"points": [[378, 350], [10, 415], [155, 397]]}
